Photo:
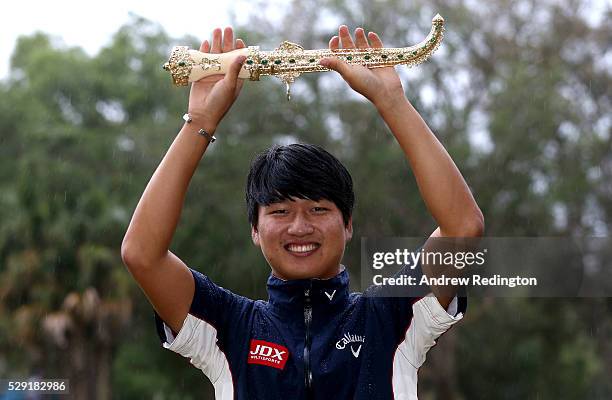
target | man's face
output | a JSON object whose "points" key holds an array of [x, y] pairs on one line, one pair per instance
{"points": [[302, 238]]}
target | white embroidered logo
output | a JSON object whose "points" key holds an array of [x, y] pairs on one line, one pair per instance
{"points": [[348, 339], [330, 296], [266, 351]]}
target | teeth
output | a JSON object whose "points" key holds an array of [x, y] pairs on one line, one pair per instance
{"points": [[301, 248]]}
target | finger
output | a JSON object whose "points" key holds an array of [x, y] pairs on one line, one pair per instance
{"points": [[228, 39], [375, 40], [335, 64], [205, 47], [234, 70], [240, 44], [360, 39], [334, 42], [345, 37], [216, 41]]}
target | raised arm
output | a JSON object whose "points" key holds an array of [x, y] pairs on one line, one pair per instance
{"points": [[165, 279], [440, 183]]}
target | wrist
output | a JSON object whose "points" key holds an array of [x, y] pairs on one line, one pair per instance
{"points": [[202, 129], [200, 121], [391, 104]]}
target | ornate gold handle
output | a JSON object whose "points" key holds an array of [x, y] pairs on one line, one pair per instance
{"points": [[290, 60]]}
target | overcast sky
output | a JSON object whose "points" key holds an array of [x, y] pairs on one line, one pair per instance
{"points": [[90, 24]]}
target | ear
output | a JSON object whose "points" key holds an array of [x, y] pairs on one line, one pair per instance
{"points": [[349, 229], [255, 236]]}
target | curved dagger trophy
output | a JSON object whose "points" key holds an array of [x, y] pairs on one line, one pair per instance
{"points": [[290, 60]]}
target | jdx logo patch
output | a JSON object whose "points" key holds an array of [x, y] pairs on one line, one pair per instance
{"points": [[269, 354]]}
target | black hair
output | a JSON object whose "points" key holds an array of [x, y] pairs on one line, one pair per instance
{"points": [[298, 170]]}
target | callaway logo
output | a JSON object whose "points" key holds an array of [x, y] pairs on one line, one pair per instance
{"points": [[330, 296], [269, 354], [349, 339]]}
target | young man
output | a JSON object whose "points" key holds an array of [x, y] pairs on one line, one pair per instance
{"points": [[312, 339]]}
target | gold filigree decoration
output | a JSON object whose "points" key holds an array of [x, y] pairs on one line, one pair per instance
{"points": [[181, 64]]}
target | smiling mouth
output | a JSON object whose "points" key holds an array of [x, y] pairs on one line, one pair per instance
{"points": [[302, 249]]}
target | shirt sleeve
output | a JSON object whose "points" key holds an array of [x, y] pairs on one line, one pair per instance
{"points": [[204, 337], [429, 322]]}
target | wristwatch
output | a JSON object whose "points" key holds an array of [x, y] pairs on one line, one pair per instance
{"points": [[211, 138]]}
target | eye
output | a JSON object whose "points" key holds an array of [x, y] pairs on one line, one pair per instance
{"points": [[320, 209], [279, 211]]}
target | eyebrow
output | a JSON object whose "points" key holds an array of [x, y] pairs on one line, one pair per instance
{"points": [[276, 202], [289, 201]]}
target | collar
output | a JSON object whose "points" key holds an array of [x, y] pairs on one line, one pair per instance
{"points": [[326, 295]]}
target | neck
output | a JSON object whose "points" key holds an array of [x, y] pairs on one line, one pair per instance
{"points": [[327, 275]]}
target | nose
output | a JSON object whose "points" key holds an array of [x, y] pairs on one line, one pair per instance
{"points": [[300, 225]]}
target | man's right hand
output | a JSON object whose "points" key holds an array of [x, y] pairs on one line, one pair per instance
{"points": [[211, 97]]}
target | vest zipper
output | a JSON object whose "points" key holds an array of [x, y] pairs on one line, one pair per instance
{"points": [[307, 342]]}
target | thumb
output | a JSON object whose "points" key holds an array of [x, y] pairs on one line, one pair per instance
{"points": [[234, 70], [335, 64]]}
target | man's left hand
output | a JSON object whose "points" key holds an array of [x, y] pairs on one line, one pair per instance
{"points": [[382, 86]]}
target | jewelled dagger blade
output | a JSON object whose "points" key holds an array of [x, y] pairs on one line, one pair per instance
{"points": [[290, 60]]}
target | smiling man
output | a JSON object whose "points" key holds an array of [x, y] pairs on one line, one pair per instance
{"points": [[312, 339]]}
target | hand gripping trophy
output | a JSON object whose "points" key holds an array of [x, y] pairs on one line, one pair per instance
{"points": [[290, 60]]}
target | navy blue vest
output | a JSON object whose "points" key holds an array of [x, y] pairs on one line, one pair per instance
{"points": [[312, 339]]}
